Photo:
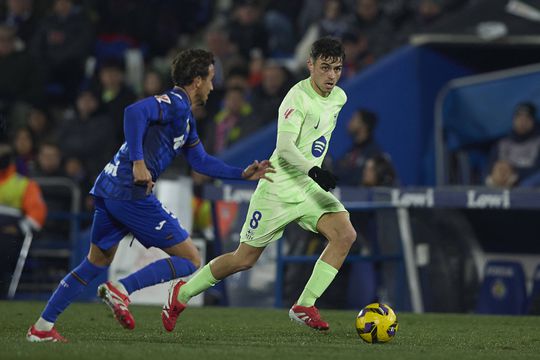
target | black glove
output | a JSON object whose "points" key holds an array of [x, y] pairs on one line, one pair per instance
{"points": [[324, 178]]}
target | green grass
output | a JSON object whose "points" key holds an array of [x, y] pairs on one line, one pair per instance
{"points": [[238, 333]]}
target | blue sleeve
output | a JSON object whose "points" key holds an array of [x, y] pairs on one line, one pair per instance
{"points": [[136, 119], [193, 137], [208, 165]]}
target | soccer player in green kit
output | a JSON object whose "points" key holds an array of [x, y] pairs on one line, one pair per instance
{"points": [[298, 192]]}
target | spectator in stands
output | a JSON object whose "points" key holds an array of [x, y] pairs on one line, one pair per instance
{"points": [[232, 123], [422, 14], [89, 136], [267, 97], [246, 29], [379, 171], [361, 128], [289, 9], [58, 197], [217, 39], [153, 83], [311, 12], [516, 156], [49, 161], [40, 123], [77, 172], [20, 80], [333, 23], [502, 175], [238, 76], [369, 20], [24, 144], [74, 169], [20, 193], [173, 20], [62, 43], [20, 16], [114, 94], [279, 19], [256, 65], [201, 207], [357, 54]]}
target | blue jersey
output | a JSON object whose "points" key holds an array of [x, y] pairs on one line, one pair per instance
{"points": [[156, 130]]}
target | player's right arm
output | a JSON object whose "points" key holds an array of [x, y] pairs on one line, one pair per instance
{"points": [[136, 120], [290, 120]]}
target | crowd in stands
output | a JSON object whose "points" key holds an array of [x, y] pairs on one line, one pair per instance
{"points": [[515, 159], [68, 68]]}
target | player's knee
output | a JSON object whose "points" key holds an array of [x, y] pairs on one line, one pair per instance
{"points": [[245, 264], [347, 237], [196, 261], [350, 236], [101, 260]]}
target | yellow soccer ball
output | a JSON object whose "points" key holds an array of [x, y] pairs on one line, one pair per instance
{"points": [[376, 323]]}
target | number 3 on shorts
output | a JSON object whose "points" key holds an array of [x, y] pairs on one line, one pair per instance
{"points": [[254, 222]]}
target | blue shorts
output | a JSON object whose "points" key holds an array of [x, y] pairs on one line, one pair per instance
{"points": [[147, 219]]}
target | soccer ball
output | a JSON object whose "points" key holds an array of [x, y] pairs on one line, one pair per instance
{"points": [[376, 323]]}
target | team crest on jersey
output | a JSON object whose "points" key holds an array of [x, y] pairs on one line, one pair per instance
{"points": [[318, 147], [288, 113], [163, 98]]}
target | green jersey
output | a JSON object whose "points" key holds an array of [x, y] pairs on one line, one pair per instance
{"points": [[312, 119]]}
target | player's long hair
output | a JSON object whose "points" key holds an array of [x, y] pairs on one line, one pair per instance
{"points": [[188, 64], [327, 48]]}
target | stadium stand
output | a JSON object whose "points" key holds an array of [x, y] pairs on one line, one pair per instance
{"points": [[453, 68]]}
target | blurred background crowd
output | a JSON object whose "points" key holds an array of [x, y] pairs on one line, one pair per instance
{"points": [[69, 67]]}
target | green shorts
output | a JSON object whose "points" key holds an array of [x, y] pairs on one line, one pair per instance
{"points": [[266, 218]]}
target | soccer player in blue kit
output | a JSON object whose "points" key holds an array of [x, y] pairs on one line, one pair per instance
{"points": [[156, 129]]}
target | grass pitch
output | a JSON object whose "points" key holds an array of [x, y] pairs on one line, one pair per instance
{"points": [[239, 333]]}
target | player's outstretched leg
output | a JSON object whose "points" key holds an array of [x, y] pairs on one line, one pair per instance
{"points": [[69, 289], [340, 233], [304, 311], [181, 292], [179, 296], [115, 296]]}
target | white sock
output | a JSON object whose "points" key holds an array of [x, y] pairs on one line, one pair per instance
{"points": [[43, 325]]}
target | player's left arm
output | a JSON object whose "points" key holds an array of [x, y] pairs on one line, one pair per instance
{"points": [[209, 165]]}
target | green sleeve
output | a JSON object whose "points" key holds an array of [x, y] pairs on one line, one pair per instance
{"points": [[291, 113]]}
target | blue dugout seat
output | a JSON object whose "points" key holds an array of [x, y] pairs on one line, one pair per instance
{"points": [[503, 289]]}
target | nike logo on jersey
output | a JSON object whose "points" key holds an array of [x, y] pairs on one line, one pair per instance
{"points": [[160, 226], [318, 122]]}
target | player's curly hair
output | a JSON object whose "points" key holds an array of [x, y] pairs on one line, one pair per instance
{"points": [[327, 48], [188, 64]]}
